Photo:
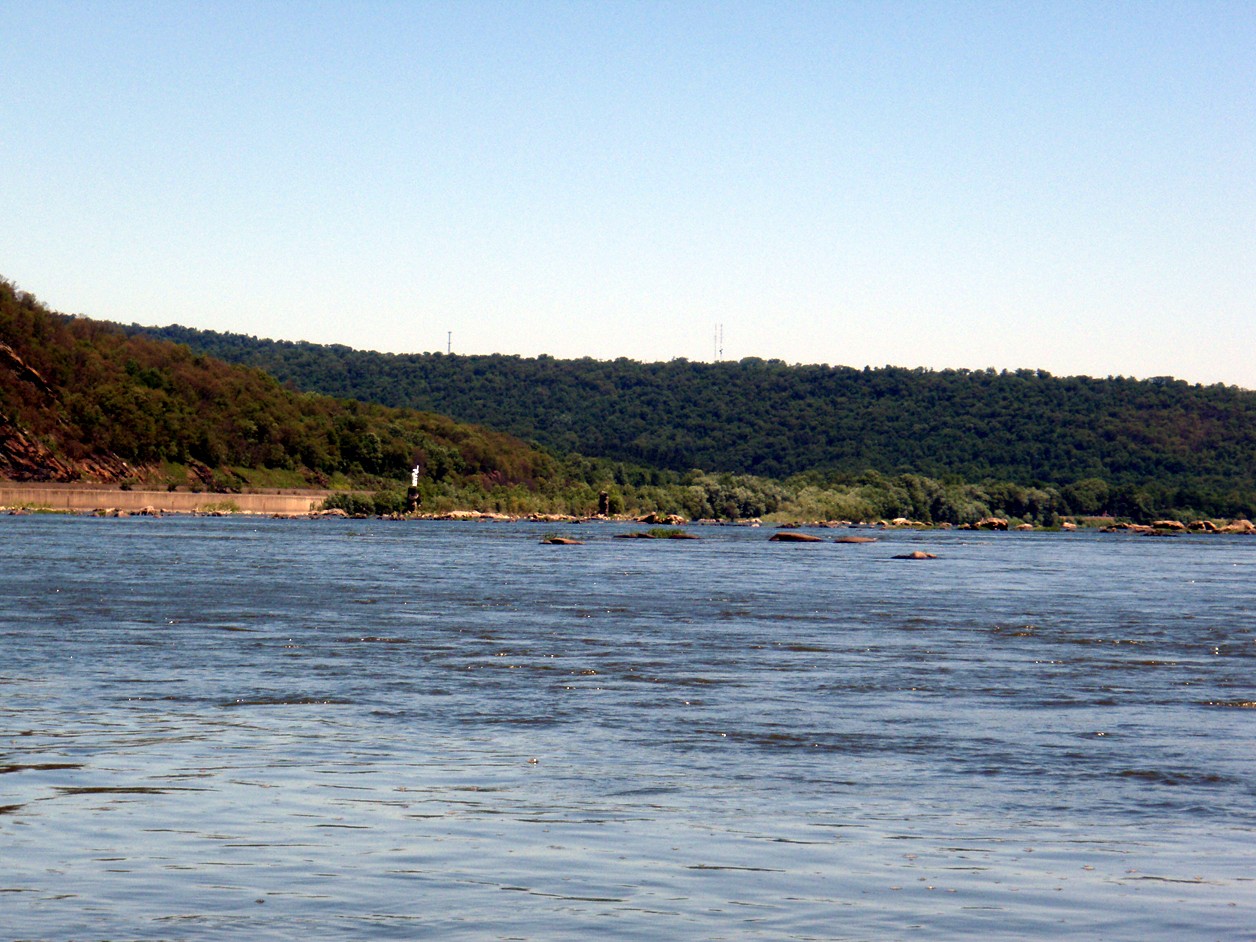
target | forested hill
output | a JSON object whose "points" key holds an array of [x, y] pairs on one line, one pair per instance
{"points": [[770, 418], [81, 400]]}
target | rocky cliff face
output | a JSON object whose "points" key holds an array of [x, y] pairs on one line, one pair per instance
{"points": [[25, 458]]}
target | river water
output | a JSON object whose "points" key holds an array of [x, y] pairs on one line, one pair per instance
{"points": [[262, 729]]}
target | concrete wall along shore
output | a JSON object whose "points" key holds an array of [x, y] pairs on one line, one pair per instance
{"points": [[87, 499]]}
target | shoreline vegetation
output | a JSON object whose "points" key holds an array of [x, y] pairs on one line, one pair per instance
{"points": [[80, 500]]}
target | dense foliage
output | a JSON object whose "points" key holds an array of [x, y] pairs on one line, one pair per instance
{"points": [[81, 393], [1119, 445], [81, 399]]}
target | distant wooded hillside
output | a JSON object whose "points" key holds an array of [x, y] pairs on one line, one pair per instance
{"points": [[82, 400], [770, 418]]}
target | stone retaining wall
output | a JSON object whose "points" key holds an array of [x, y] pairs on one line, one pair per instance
{"points": [[87, 499]]}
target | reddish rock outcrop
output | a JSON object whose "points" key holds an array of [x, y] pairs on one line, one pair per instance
{"points": [[25, 458]]}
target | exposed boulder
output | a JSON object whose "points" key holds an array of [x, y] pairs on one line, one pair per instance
{"points": [[1141, 528], [789, 536], [1176, 525], [671, 520], [916, 554]]}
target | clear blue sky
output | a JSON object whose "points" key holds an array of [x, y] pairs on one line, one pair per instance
{"points": [[1064, 186]]}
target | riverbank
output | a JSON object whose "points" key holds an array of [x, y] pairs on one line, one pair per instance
{"points": [[94, 498]]}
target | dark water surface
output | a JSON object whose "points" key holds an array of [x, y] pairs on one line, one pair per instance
{"points": [[241, 729]]}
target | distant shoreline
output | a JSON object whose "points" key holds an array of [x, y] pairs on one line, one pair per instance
{"points": [[103, 500]]}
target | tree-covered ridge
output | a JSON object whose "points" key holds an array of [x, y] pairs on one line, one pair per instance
{"points": [[772, 419], [81, 398]]}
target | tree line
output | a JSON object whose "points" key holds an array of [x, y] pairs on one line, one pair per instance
{"points": [[1146, 445]]}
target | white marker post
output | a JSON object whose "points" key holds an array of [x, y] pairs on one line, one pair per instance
{"points": [[412, 495]]}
